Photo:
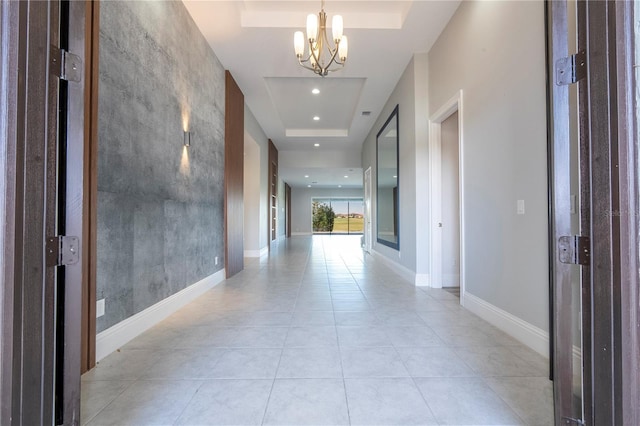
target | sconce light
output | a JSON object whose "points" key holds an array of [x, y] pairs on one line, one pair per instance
{"points": [[187, 138]]}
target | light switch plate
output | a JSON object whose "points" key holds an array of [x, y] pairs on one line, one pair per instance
{"points": [[520, 207], [100, 305]]}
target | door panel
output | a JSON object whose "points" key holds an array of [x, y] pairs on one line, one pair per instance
{"points": [[565, 289], [70, 205], [42, 383], [607, 390]]}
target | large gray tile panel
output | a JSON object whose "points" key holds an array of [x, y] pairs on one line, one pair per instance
{"points": [[386, 402], [150, 280], [96, 395], [307, 402], [228, 402], [160, 205], [155, 402], [465, 401], [530, 397], [115, 280]]}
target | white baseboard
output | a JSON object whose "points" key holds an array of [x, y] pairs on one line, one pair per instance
{"points": [[116, 336], [532, 336], [423, 280], [404, 272], [419, 280], [301, 233], [257, 253]]}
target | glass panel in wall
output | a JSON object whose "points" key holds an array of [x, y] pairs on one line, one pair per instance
{"points": [[337, 215]]}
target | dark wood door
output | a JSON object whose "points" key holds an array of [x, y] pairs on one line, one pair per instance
{"points": [[604, 252], [42, 197], [287, 202], [273, 193], [234, 177]]}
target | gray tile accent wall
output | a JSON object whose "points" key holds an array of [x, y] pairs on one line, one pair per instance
{"points": [[160, 206]]}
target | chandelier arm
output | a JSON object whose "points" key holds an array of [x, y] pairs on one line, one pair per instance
{"points": [[312, 53], [333, 52], [301, 63]]}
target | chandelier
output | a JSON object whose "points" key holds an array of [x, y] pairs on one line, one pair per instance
{"points": [[322, 58]]}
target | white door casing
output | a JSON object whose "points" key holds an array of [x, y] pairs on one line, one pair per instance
{"points": [[435, 178]]}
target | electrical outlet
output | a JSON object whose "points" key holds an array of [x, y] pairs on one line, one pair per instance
{"points": [[520, 207], [100, 306], [216, 260]]}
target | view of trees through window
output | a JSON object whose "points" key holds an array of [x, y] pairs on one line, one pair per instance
{"points": [[337, 215]]}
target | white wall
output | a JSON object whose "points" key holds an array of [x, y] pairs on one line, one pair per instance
{"points": [[251, 196], [319, 159], [255, 185], [410, 137], [450, 203], [301, 205], [494, 52]]}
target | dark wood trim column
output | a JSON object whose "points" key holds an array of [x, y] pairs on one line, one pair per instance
{"points": [[233, 177], [287, 201], [273, 193]]}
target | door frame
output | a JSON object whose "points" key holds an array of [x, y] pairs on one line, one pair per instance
{"points": [[368, 235], [41, 197], [455, 104], [609, 170]]}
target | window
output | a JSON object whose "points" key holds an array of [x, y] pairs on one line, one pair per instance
{"points": [[337, 215]]}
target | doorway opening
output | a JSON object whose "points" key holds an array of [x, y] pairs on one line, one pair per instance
{"points": [[447, 197]]}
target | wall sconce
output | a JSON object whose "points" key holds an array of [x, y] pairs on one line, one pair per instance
{"points": [[187, 138]]}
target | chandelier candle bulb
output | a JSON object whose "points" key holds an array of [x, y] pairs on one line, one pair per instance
{"points": [[298, 43], [312, 28], [337, 28], [343, 49]]}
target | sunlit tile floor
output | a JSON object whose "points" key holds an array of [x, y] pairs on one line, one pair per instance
{"points": [[320, 334]]}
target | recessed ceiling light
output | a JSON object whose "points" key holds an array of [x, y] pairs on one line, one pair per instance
{"points": [[306, 176], [316, 145], [308, 186], [346, 176], [315, 91], [316, 118], [395, 177], [339, 186]]}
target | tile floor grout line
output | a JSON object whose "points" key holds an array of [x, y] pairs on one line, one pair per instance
{"points": [[131, 382], [284, 344], [280, 284], [175, 422]]}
